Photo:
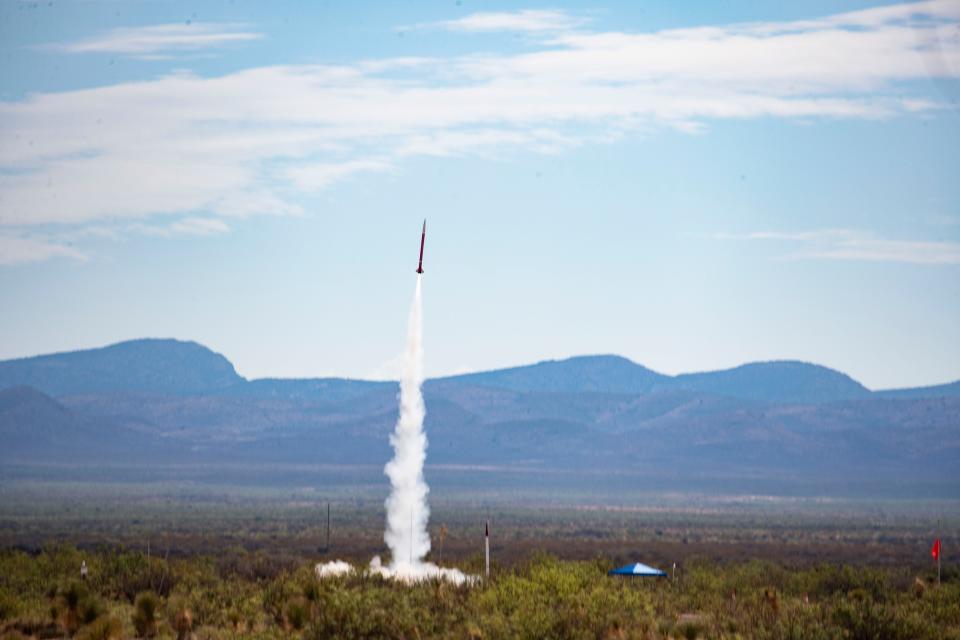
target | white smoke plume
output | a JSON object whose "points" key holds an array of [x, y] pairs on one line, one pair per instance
{"points": [[407, 508]]}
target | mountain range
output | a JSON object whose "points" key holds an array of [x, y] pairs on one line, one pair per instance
{"points": [[161, 402]]}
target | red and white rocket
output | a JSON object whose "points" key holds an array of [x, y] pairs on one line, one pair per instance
{"points": [[423, 239]]}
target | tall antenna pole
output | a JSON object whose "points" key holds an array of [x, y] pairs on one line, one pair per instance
{"points": [[328, 526], [443, 536]]}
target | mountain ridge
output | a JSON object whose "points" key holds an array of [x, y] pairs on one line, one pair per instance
{"points": [[166, 402], [165, 365]]}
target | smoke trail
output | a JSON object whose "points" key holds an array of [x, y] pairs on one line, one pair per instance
{"points": [[407, 510]]}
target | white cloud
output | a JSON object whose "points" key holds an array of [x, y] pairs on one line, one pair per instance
{"points": [[190, 226], [200, 226], [20, 249], [316, 176], [849, 244], [908, 12], [255, 141], [485, 142], [531, 20], [151, 42]]}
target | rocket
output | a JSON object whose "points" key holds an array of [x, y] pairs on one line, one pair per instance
{"points": [[423, 238]]}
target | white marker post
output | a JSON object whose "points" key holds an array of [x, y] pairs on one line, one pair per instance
{"points": [[486, 543]]}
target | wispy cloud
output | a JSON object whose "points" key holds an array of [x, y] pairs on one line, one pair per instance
{"points": [[154, 41], [530, 20], [189, 226], [317, 176], [854, 245], [22, 249], [254, 141]]}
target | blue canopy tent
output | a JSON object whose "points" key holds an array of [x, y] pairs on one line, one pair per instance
{"points": [[639, 570]]}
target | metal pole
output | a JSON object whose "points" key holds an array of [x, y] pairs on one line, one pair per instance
{"points": [[486, 544], [443, 536], [411, 537], [328, 526]]}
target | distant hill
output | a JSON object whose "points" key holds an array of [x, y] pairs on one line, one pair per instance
{"points": [[784, 381], [593, 374], [148, 365], [26, 413], [35, 426]]}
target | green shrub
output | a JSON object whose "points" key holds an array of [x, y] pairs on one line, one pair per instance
{"points": [[90, 609], [75, 606], [104, 628], [9, 606], [145, 611], [861, 618], [180, 616], [298, 613]]}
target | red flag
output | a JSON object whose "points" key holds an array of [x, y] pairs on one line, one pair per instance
{"points": [[935, 550]]}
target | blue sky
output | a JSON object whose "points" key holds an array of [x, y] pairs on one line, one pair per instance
{"points": [[692, 186]]}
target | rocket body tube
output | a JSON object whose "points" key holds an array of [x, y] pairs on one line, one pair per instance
{"points": [[423, 239]]}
